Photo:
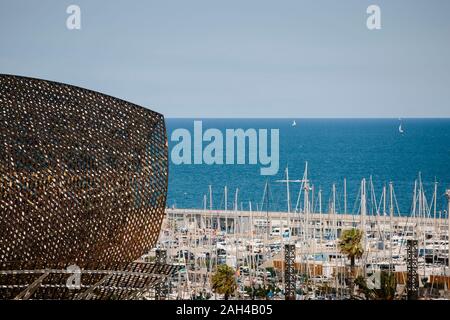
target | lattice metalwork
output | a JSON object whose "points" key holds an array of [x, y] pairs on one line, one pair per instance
{"points": [[96, 281], [161, 289], [83, 176], [289, 272], [412, 284]]}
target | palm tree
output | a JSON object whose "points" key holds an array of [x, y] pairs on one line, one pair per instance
{"points": [[350, 244], [223, 281]]}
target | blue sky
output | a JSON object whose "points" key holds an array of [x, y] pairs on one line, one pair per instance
{"points": [[232, 58]]}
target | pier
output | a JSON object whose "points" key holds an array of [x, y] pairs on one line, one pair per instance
{"points": [[220, 219]]}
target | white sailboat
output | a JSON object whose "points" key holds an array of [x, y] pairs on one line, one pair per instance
{"points": [[294, 123], [400, 129]]}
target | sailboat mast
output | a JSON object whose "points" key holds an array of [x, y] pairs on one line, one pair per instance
{"points": [[320, 215], [287, 190], [306, 203], [447, 193], [391, 216], [334, 230], [226, 209], [345, 195], [363, 207], [434, 205], [333, 203], [320, 200], [384, 219], [210, 198], [414, 199], [226, 197]]}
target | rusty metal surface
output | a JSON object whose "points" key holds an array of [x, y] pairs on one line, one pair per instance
{"points": [[83, 176], [39, 281]]}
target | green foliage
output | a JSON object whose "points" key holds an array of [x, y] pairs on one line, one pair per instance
{"points": [[388, 286], [272, 271], [259, 291], [201, 296], [361, 282], [326, 289], [223, 281], [350, 244]]}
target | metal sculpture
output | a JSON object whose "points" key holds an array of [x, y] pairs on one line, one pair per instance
{"points": [[83, 180]]}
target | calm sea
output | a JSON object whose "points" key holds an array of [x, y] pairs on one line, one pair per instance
{"points": [[335, 149]]}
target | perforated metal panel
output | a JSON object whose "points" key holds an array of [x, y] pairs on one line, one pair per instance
{"points": [[289, 272], [37, 281], [83, 176], [412, 283]]}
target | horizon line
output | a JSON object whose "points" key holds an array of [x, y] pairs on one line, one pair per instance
{"points": [[316, 118]]}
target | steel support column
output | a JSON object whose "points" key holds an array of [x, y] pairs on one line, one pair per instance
{"points": [[412, 284], [289, 274], [161, 288]]}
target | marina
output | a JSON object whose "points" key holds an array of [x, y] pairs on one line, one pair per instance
{"points": [[253, 243]]}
